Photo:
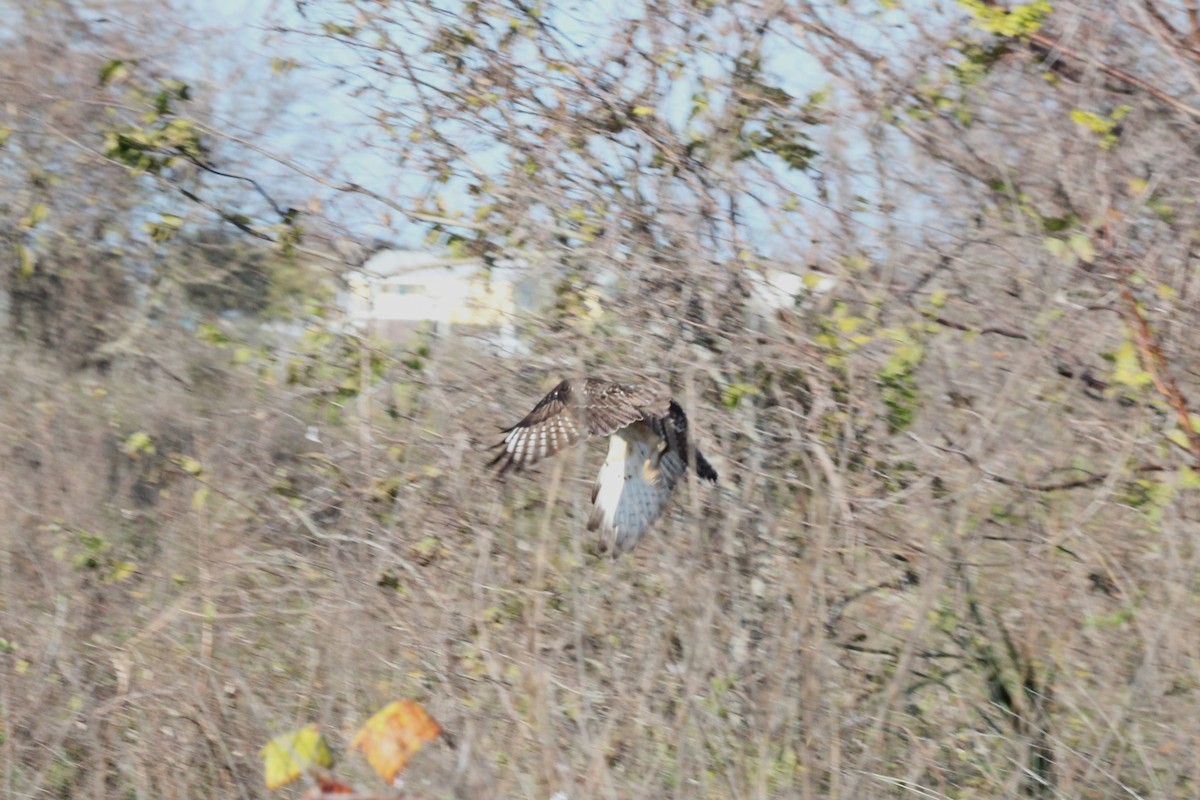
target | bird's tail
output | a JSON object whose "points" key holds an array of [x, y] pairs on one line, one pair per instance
{"points": [[704, 469]]}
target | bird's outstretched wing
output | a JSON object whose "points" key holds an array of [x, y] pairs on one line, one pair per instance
{"points": [[572, 411], [552, 426], [609, 406]]}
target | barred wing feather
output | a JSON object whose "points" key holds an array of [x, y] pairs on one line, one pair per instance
{"points": [[552, 426]]}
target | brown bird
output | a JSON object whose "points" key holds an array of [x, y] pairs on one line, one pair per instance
{"points": [[648, 449]]}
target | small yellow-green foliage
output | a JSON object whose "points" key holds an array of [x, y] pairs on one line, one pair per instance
{"points": [[732, 394], [287, 756], [1127, 367], [1179, 437], [897, 379], [1074, 248], [1102, 126], [1011, 21], [139, 444]]}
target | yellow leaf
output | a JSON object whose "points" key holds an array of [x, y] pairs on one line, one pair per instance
{"points": [[190, 465], [199, 498], [1082, 246], [642, 111], [849, 324], [288, 755], [139, 442], [27, 262], [121, 570], [1127, 366], [391, 737], [1188, 478], [1178, 437]]}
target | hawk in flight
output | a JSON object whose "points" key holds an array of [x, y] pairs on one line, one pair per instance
{"points": [[648, 449]]}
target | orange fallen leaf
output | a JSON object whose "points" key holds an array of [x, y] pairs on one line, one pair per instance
{"points": [[391, 737]]}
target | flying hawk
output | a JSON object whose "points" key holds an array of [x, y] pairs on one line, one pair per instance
{"points": [[647, 449]]}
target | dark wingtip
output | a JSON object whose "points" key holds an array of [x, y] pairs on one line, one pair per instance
{"points": [[704, 469], [504, 461]]}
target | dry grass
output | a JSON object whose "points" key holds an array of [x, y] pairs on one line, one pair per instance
{"points": [[850, 614], [951, 555]]}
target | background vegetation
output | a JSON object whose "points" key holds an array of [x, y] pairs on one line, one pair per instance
{"points": [[954, 550]]}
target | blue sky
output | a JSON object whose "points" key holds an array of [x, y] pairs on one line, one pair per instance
{"points": [[318, 124]]}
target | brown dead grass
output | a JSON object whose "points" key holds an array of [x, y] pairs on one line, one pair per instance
{"points": [[850, 614]]}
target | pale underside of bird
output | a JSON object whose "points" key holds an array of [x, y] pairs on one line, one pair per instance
{"points": [[648, 450]]}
